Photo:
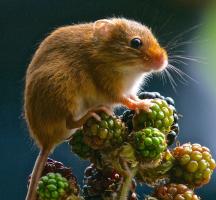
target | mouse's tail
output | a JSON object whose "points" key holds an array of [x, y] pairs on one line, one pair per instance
{"points": [[36, 174]]}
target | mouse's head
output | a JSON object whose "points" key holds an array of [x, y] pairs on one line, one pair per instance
{"points": [[128, 45]]}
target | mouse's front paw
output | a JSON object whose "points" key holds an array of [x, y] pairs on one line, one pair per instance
{"points": [[137, 104]]}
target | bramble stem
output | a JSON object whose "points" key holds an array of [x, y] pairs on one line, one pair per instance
{"points": [[127, 183]]}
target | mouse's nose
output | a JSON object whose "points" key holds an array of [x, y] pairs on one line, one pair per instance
{"points": [[158, 57]]}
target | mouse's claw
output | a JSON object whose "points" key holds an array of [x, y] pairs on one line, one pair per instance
{"points": [[103, 108], [143, 105], [94, 115], [71, 123]]}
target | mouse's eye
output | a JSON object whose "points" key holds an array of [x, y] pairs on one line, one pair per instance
{"points": [[136, 43]]}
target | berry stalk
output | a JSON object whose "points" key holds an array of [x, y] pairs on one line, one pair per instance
{"points": [[127, 182]]}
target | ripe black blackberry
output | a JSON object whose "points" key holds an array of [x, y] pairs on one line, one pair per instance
{"points": [[127, 117], [172, 135], [103, 184]]}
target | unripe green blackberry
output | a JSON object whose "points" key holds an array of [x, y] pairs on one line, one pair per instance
{"points": [[58, 167], [194, 165], [53, 166], [149, 143], [109, 132], [156, 175], [79, 147], [52, 186], [160, 116], [174, 192], [174, 130], [127, 115]]}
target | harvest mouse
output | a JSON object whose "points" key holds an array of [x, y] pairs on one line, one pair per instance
{"points": [[81, 69]]}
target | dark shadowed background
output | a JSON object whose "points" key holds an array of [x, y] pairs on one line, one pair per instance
{"points": [[24, 23]]}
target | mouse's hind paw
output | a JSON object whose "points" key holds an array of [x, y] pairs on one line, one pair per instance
{"points": [[71, 123]]}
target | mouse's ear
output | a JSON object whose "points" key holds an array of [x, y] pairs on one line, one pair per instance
{"points": [[103, 27]]}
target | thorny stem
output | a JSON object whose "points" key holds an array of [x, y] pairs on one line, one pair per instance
{"points": [[127, 183]]}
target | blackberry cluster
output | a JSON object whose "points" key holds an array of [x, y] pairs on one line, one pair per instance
{"points": [[52, 187], [108, 132], [159, 117], [149, 143], [103, 184], [175, 192], [194, 164], [132, 146], [136, 144]]}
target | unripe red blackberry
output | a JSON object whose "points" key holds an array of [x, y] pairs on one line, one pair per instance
{"points": [[109, 132], [174, 192], [149, 143], [79, 147], [160, 116], [194, 164]]}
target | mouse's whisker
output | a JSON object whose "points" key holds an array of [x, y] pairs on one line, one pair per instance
{"points": [[174, 52], [165, 24], [172, 41], [171, 80], [180, 42], [178, 62], [164, 80], [190, 58], [181, 73], [161, 76]]}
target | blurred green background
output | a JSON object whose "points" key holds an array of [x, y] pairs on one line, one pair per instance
{"points": [[24, 23]]}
